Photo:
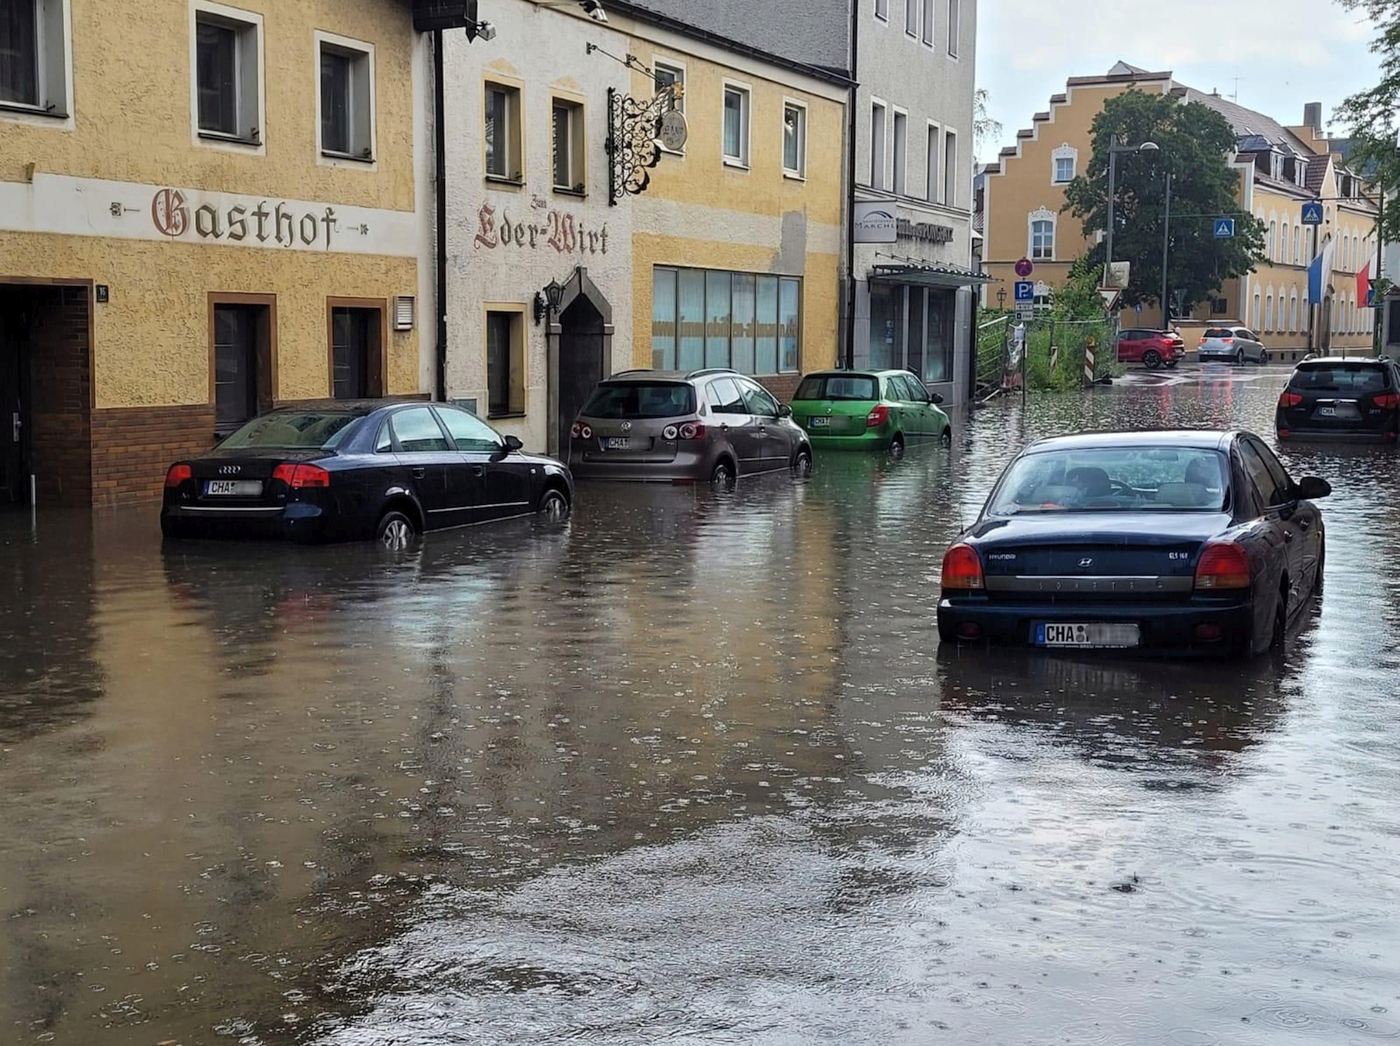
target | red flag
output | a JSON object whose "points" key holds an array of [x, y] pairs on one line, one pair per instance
{"points": [[1363, 285]]}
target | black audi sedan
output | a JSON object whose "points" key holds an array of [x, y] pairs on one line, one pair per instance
{"points": [[1193, 542], [350, 470], [1339, 399]]}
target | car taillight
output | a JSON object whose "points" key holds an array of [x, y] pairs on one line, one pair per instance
{"points": [[1387, 400], [877, 417], [581, 431], [1227, 341], [670, 432], [693, 430], [178, 474], [1290, 399], [300, 476], [1222, 566], [962, 569]]}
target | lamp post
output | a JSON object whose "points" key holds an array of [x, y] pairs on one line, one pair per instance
{"points": [[1001, 298], [1166, 246], [1114, 148]]}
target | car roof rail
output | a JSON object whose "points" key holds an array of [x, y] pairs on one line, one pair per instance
{"points": [[634, 370], [706, 372]]}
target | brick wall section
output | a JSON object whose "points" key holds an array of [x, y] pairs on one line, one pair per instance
{"points": [[781, 385], [133, 446], [61, 397]]}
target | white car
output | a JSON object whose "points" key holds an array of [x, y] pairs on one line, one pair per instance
{"points": [[1231, 345]]}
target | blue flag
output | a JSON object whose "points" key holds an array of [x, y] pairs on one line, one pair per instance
{"points": [[1315, 280]]}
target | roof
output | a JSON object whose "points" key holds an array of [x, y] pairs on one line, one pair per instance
{"points": [[1254, 130], [928, 274], [646, 374], [1317, 173], [1200, 439], [357, 407]]}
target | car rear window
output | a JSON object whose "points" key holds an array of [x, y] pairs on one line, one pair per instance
{"points": [[1358, 378], [1219, 332], [312, 430], [631, 399], [837, 387], [1113, 479]]}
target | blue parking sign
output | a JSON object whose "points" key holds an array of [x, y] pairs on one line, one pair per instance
{"points": [[1025, 290]]}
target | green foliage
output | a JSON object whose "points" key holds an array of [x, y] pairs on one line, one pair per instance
{"points": [[1194, 142], [1370, 115]]}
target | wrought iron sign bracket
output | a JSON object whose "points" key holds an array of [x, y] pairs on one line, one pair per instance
{"points": [[633, 147]]}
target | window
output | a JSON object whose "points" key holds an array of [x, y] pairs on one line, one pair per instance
{"points": [[469, 432], [505, 363], [794, 139], [724, 397], [235, 367], [668, 75], [882, 10], [911, 16], [1269, 311], [347, 99], [418, 431], [951, 175], [1293, 313], [877, 145], [710, 318], [1219, 306], [34, 65], [502, 133], [1064, 170], [228, 74], [933, 155], [901, 141], [1043, 239], [1297, 245], [1258, 309], [1283, 243], [1162, 479], [1261, 477], [953, 21], [929, 7], [569, 147], [356, 355], [1272, 241], [736, 126], [758, 399]]}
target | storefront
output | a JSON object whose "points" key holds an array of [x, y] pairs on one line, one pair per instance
{"points": [[919, 319]]}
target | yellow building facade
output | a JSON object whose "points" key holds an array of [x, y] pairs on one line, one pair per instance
{"points": [[1281, 169], [227, 218]]}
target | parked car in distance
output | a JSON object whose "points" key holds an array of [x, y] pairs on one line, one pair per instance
{"points": [[353, 470], [1341, 399], [712, 425], [1231, 345], [1153, 541], [1151, 348], [884, 410]]}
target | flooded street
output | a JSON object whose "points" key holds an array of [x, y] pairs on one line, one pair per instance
{"points": [[690, 768]]}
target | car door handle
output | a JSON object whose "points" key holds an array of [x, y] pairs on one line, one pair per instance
{"points": [[1288, 536], [419, 472], [1304, 524], [478, 470]]}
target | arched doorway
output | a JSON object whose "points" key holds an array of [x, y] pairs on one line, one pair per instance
{"points": [[581, 355]]}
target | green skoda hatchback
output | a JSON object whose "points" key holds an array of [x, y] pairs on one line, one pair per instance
{"points": [[871, 410]]}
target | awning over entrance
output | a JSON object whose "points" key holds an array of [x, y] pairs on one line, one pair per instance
{"points": [[928, 275]]}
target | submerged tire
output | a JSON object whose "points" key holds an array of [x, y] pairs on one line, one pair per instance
{"points": [[722, 478], [395, 531], [554, 506]]}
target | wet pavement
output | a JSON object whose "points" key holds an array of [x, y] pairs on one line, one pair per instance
{"points": [[690, 768]]}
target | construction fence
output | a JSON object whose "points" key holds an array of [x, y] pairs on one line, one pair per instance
{"points": [[1044, 354]]}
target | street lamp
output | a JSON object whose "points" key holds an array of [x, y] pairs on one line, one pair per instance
{"points": [[1114, 148], [1001, 298]]}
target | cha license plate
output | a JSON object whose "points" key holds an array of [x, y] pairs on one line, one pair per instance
{"points": [[233, 488], [617, 443], [820, 423], [1088, 636]]}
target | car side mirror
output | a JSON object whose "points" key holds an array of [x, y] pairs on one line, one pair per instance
{"points": [[784, 411], [935, 398], [1310, 488], [513, 444]]}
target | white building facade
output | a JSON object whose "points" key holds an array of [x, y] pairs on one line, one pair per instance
{"points": [[528, 205], [914, 297]]}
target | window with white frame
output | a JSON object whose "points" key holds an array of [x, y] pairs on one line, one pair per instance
{"points": [[953, 26], [1297, 245], [33, 57], [1293, 313], [1272, 242], [882, 10], [1064, 164], [929, 8], [668, 75], [736, 125], [794, 139], [347, 98], [901, 152], [1283, 244], [877, 145], [568, 169], [951, 175], [501, 133], [934, 152], [1042, 234], [228, 74], [1269, 312], [911, 16]]}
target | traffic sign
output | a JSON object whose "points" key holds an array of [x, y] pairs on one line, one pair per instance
{"points": [[1025, 310], [1025, 291], [1110, 297], [1224, 228], [1024, 268], [1312, 213]]}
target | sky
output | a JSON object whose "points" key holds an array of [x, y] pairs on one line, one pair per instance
{"points": [[1284, 52]]}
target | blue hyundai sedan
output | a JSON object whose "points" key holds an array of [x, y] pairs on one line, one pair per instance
{"points": [[1192, 542]]}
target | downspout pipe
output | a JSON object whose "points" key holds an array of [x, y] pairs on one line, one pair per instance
{"points": [[440, 148], [851, 131]]}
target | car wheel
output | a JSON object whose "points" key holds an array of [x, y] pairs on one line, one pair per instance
{"points": [[947, 437], [1264, 358], [1280, 633], [395, 531], [1151, 359], [897, 447], [722, 478], [802, 466], [1239, 356], [554, 505]]}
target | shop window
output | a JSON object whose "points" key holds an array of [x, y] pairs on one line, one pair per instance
{"points": [[886, 307], [901, 151], [505, 363], [34, 72], [939, 340], [502, 134], [736, 125], [569, 153], [712, 318], [228, 74], [347, 98], [243, 354], [795, 140], [357, 360]]}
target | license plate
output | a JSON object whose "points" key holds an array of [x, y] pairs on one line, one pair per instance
{"points": [[820, 423], [1088, 636], [233, 488], [1327, 412], [617, 443]]}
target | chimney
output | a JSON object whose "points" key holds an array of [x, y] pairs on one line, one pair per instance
{"points": [[1312, 116]]}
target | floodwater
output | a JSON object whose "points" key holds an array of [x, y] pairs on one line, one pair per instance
{"points": [[689, 769]]}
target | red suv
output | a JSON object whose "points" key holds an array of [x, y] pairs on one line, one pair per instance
{"points": [[1151, 348]]}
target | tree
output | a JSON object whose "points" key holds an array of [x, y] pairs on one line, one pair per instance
{"points": [[1194, 144], [983, 126], [1369, 115]]}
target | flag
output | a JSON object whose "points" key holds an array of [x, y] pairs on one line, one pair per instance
{"points": [[1363, 285], [1320, 273]]}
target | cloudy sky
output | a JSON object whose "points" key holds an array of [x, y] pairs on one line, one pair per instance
{"points": [[1284, 52]]}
